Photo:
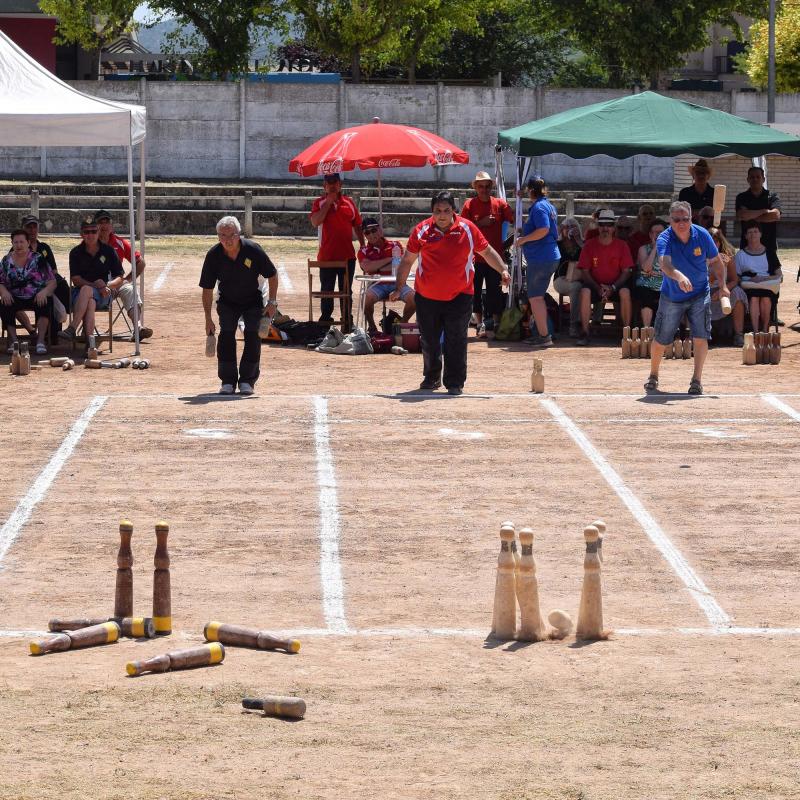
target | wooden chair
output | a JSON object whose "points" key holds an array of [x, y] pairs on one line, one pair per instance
{"points": [[345, 297]]}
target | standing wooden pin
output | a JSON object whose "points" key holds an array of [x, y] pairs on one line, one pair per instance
{"points": [[636, 343], [626, 341], [532, 627], [24, 359], [688, 348], [537, 378], [123, 597], [13, 365], [749, 350], [590, 613], [162, 594], [504, 626], [775, 349], [601, 532]]}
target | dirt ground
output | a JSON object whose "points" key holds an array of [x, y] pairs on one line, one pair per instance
{"points": [[339, 505]]}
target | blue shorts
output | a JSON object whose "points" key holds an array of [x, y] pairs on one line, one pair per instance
{"points": [[381, 291], [100, 301], [670, 313], [539, 274]]}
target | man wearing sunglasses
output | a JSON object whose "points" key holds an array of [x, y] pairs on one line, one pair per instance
{"points": [[686, 254]]}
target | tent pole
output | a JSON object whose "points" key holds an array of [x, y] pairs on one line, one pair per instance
{"points": [[142, 165], [132, 230]]}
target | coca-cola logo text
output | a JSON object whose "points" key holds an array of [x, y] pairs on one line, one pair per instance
{"points": [[445, 157], [329, 167], [389, 162]]}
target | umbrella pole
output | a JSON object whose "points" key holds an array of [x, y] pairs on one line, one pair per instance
{"points": [[380, 199]]}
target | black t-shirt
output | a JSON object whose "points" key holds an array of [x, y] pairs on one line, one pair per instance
{"points": [[238, 280], [696, 200], [103, 265], [769, 230]]}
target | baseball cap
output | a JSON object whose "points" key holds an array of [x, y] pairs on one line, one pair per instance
{"points": [[102, 214], [332, 178], [88, 222], [606, 215], [370, 222], [29, 219]]}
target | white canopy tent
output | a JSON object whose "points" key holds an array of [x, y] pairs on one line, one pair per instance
{"points": [[39, 110]]}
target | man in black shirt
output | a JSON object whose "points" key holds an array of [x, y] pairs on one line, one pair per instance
{"points": [[95, 272], [701, 192], [235, 263], [759, 204]]}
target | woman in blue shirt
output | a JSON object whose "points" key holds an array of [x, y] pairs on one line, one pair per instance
{"points": [[539, 242]]}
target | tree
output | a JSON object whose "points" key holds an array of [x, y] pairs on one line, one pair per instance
{"points": [[224, 32], [646, 37], [92, 24], [349, 28], [753, 61]]}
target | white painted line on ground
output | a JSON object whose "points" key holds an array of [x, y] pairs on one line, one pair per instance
{"points": [[22, 513], [785, 408], [285, 282], [22, 634], [159, 281], [715, 613], [330, 568]]}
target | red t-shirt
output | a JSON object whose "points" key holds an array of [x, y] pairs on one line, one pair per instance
{"points": [[122, 248], [336, 243], [636, 240], [378, 252], [445, 268], [605, 263], [475, 209]]}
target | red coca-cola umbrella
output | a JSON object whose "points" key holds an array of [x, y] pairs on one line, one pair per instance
{"points": [[376, 146]]}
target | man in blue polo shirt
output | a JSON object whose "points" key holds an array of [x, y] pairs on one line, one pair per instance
{"points": [[686, 253]]}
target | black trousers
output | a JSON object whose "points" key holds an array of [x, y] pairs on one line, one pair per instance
{"points": [[493, 302], [8, 313], [327, 281], [450, 317], [250, 364]]}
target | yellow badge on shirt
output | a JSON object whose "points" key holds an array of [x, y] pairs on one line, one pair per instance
{"points": [[698, 251], [248, 263], [102, 259], [44, 252]]}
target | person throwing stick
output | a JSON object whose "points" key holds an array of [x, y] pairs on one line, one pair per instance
{"points": [[686, 253], [235, 263], [445, 244]]}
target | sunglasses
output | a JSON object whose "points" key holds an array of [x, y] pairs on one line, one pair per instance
{"points": [[681, 219], [89, 230], [605, 224]]}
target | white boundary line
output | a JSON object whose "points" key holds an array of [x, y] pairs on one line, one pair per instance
{"points": [[285, 280], [715, 613], [330, 569], [22, 513], [162, 276], [772, 399]]}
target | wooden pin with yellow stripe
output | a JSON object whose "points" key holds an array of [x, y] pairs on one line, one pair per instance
{"points": [[240, 636], [105, 633], [202, 656]]}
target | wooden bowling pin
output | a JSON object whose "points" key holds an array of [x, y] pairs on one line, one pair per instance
{"points": [[274, 706], [636, 343], [668, 351], [68, 365], [162, 593], [775, 348], [505, 601], [123, 596], [590, 613], [203, 656], [13, 365], [601, 532], [57, 625], [57, 361], [759, 338], [532, 627], [718, 202], [561, 622], [137, 627], [105, 633], [240, 636], [537, 378], [91, 349], [687, 347], [24, 359], [211, 345], [626, 341], [749, 350]]}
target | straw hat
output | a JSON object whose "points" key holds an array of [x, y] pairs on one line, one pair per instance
{"points": [[482, 176], [701, 164]]}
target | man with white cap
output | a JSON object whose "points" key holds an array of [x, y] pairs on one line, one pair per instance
{"points": [[488, 213]]}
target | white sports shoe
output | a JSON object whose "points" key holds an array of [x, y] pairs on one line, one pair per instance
{"points": [[226, 388], [245, 388]]}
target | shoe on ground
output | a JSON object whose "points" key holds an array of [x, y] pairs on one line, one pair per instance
{"points": [[480, 331], [473, 321], [583, 340], [430, 386], [245, 388], [738, 340], [455, 390], [226, 388], [41, 349], [488, 324], [540, 341], [145, 333], [779, 322], [68, 333], [333, 338]]}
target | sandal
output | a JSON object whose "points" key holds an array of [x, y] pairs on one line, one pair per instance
{"points": [[41, 349], [651, 384], [695, 387]]}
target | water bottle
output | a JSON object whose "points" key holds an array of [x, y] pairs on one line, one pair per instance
{"points": [[396, 254]]}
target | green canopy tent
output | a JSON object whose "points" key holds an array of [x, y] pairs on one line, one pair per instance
{"points": [[639, 124]]}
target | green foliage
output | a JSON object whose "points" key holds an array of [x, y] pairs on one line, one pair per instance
{"points": [[90, 23], [224, 32], [754, 61]]}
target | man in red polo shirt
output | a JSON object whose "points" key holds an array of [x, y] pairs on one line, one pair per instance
{"points": [[488, 213], [604, 265], [339, 220], [445, 245]]}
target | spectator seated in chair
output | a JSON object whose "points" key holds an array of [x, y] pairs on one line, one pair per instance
{"points": [[753, 266], [647, 286], [641, 234], [605, 268], [732, 325], [566, 280], [95, 272], [106, 235], [26, 282], [375, 258]]}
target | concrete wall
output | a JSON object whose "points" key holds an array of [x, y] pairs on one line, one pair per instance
{"points": [[240, 131]]}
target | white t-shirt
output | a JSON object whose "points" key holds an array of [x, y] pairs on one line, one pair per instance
{"points": [[746, 262]]}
